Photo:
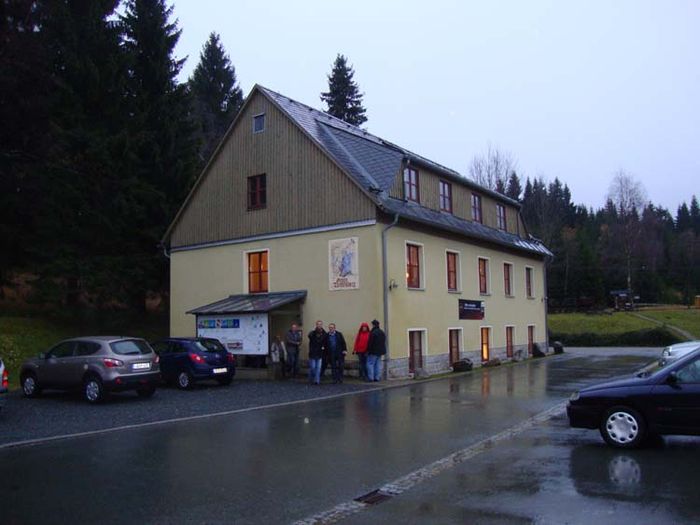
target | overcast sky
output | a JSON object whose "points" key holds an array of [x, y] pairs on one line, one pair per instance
{"points": [[575, 90]]}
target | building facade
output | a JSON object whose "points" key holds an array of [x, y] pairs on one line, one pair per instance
{"points": [[299, 216]]}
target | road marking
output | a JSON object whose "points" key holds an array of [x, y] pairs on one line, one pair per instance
{"points": [[48, 439], [407, 482]]}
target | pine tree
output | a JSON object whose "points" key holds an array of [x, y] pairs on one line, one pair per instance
{"points": [[216, 96], [695, 215], [514, 188], [163, 150], [343, 97], [683, 218]]}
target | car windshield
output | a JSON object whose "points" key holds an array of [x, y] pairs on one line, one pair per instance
{"points": [[130, 347], [653, 367], [208, 345]]}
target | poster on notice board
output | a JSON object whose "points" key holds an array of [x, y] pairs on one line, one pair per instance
{"points": [[243, 334]]}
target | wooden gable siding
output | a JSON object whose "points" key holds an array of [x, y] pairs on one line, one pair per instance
{"points": [[305, 189], [461, 200]]}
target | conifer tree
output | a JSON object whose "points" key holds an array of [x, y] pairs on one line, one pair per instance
{"points": [[216, 96], [514, 189], [343, 97]]}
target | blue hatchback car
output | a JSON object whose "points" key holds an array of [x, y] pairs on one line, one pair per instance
{"points": [[185, 360]]}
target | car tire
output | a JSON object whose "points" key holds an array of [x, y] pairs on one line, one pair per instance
{"points": [[184, 380], [93, 390], [146, 391], [30, 385], [225, 381], [623, 427]]}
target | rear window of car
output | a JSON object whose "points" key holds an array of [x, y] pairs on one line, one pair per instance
{"points": [[208, 345], [130, 347]]}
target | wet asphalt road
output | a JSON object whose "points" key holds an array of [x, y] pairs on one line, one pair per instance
{"points": [[283, 464]]}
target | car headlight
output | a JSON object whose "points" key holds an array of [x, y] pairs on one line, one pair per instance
{"points": [[574, 396]]}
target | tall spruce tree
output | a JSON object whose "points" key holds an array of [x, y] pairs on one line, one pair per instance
{"points": [[163, 136], [514, 188], [343, 97], [216, 96]]}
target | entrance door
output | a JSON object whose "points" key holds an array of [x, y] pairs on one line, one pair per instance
{"points": [[509, 342], [530, 339], [415, 350], [454, 345], [485, 343]]}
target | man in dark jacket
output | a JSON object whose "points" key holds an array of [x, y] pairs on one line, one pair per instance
{"points": [[318, 342], [337, 348], [376, 348], [292, 344]]}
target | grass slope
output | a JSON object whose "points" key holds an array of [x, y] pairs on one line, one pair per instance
{"points": [[688, 320]]}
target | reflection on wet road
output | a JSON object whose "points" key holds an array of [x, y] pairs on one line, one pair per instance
{"points": [[286, 463]]}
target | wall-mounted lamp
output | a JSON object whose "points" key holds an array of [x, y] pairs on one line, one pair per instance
{"points": [[392, 284]]}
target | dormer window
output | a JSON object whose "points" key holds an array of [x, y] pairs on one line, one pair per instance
{"points": [[476, 208], [501, 217], [411, 191], [259, 123], [445, 196]]}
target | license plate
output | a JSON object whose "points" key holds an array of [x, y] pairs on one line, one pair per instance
{"points": [[141, 366], [220, 370]]}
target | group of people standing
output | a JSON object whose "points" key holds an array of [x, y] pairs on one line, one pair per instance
{"points": [[329, 347]]}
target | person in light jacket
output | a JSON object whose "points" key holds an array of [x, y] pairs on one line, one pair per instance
{"points": [[277, 352], [293, 342]]}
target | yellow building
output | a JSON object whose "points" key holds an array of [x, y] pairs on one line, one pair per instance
{"points": [[299, 216]]}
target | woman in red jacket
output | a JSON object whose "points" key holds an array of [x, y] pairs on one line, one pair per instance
{"points": [[360, 349]]}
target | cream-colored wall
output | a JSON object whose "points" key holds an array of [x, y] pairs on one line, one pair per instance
{"points": [[436, 309], [205, 275]]}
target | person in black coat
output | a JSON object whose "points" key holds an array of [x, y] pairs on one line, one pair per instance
{"points": [[337, 349], [318, 342], [376, 348]]}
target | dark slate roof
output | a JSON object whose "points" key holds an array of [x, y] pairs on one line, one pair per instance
{"points": [[374, 164], [250, 303]]}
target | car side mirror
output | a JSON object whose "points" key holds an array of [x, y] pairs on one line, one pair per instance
{"points": [[672, 378]]}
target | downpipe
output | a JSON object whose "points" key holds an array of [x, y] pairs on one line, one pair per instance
{"points": [[385, 282]]}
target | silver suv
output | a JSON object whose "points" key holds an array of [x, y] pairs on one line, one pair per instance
{"points": [[95, 365]]}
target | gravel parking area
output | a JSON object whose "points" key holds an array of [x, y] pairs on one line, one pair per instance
{"points": [[64, 413]]}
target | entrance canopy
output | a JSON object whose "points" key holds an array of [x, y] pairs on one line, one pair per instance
{"points": [[250, 303]]}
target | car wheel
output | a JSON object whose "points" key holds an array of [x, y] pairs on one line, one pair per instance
{"points": [[93, 390], [30, 385], [225, 381], [146, 391], [623, 427], [184, 380]]}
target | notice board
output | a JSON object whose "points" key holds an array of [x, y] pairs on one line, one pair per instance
{"points": [[471, 309], [244, 334]]}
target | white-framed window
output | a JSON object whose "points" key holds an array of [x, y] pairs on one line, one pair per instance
{"points": [[501, 221], [411, 185], [508, 279], [484, 275], [510, 340], [529, 290], [417, 348], [476, 208], [454, 271], [485, 341], [257, 270], [259, 123], [445, 196], [415, 268], [454, 343]]}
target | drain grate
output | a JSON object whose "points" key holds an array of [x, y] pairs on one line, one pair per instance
{"points": [[373, 498]]}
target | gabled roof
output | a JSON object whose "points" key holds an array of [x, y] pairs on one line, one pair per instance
{"points": [[373, 164]]}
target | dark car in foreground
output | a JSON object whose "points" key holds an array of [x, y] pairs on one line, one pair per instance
{"points": [[94, 365], [661, 399], [185, 360]]}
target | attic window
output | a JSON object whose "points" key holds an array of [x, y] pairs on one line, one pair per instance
{"points": [[259, 123], [410, 185]]}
